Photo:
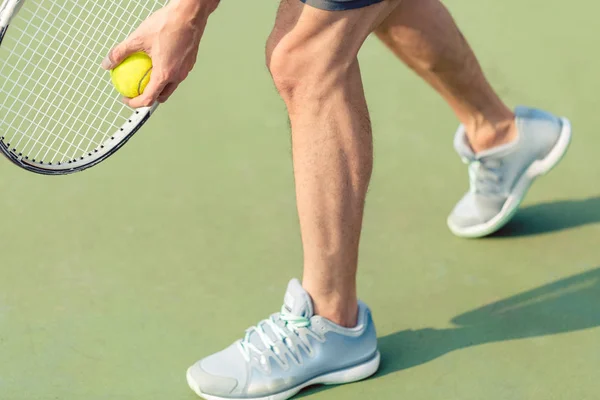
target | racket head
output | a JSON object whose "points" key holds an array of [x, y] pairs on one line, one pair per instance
{"points": [[59, 113]]}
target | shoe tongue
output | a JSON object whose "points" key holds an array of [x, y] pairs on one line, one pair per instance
{"points": [[297, 301]]}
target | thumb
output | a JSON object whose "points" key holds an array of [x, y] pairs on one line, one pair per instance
{"points": [[155, 87], [119, 53]]}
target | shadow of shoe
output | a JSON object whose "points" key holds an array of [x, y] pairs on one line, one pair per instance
{"points": [[551, 217]]}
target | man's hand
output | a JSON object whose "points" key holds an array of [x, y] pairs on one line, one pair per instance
{"points": [[171, 37]]}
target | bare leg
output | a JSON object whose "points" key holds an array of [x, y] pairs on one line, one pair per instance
{"points": [[312, 57], [423, 34]]}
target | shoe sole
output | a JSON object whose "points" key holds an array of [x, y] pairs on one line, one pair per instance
{"points": [[348, 375], [514, 200]]}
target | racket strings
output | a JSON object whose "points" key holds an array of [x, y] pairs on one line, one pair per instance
{"points": [[57, 104], [59, 73], [28, 101], [80, 49], [83, 48]]}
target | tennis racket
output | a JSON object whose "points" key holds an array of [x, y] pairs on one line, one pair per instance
{"points": [[59, 113]]}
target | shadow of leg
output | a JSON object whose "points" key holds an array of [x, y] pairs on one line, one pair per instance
{"points": [[567, 305]]}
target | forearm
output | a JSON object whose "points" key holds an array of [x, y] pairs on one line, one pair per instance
{"points": [[194, 10]]}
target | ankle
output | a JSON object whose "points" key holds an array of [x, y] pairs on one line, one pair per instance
{"points": [[339, 308], [484, 134], [343, 314]]}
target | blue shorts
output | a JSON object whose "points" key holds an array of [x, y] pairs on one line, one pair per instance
{"points": [[340, 5]]}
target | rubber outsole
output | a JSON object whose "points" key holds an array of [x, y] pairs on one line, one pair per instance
{"points": [[348, 375]]}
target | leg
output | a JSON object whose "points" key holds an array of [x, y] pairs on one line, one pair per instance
{"points": [[423, 34], [501, 169], [312, 57]]}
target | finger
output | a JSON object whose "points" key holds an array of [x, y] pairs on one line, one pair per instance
{"points": [[167, 92], [153, 90], [120, 52]]}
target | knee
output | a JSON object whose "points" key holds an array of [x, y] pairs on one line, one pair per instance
{"points": [[290, 70], [299, 75]]}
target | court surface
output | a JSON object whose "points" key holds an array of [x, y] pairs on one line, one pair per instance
{"points": [[114, 280]]}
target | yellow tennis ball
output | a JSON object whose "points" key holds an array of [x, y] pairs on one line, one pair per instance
{"points": [[132, 76]]}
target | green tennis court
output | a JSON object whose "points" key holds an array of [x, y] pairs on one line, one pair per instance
{"points": [[113, 281]]}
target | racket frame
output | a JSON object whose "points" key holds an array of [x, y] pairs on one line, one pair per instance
{"points": [[8, 10]]}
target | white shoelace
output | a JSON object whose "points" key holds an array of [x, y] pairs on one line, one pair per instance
{"points": [[293, 324], [484, 177]]}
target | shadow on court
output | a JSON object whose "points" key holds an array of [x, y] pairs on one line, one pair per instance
{"points": [[551, 217], [566, 305]]}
